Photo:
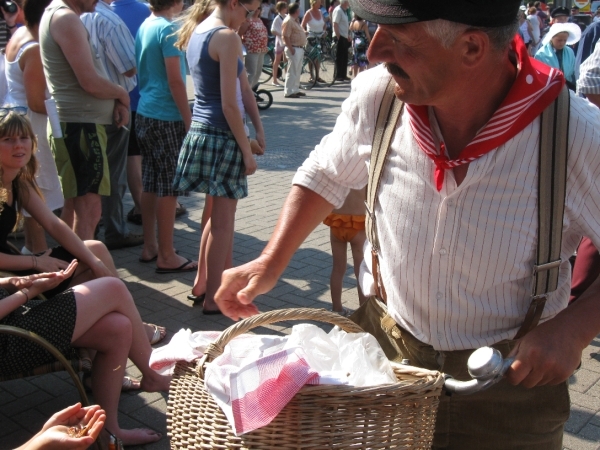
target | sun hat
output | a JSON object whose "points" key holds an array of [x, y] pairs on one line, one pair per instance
{"points": [[477, 13], [571, 28]]}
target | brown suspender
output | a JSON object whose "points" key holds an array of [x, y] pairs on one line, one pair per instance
{"points": [[552, 175]]}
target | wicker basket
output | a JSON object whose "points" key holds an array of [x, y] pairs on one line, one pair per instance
{"points": [[398, 416]]}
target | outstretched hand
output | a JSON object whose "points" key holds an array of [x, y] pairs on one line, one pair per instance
{"points": [[40, 282], [240, 286], [73, 428]]}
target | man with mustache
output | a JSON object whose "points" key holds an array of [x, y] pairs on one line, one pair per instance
{"points": [[456, 212]]}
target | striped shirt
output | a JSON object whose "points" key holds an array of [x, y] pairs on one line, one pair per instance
{"points": [[457, 264], [589, 74], [113, 43]]}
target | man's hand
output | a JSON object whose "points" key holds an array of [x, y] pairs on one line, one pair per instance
{"points": [[547, 355], [241, 285], [120, 114]]}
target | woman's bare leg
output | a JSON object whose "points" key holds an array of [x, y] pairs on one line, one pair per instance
{"points": [[199, 287], [109, 322], [356, 245], [338, 270], [220, 238]]}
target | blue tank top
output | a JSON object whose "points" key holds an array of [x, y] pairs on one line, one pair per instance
{"points": [[206, 74]]}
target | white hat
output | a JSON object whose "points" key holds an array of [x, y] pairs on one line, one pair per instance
{"points": [[571, 28]]}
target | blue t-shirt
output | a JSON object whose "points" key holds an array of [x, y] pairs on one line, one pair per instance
{"points": [[133, 13], [155, 42]]}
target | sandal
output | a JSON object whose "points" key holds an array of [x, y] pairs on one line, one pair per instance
{"points": [[159, 333], [180, 210], [133, 217], [345, 312], [129, 384]]}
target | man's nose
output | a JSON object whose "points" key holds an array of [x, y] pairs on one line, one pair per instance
{"points": [[379, 51]]}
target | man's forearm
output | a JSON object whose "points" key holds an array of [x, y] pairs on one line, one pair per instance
{"points": [[594, 98], [302, 211]]}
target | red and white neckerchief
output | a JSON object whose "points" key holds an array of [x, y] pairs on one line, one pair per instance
{"points": [[536, 86]]}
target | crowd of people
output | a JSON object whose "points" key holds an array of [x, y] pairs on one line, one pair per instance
{"points": [[108, 82]]}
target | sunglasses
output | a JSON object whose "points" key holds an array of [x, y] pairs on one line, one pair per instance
{"points": [[20, 110], [250, 13]]}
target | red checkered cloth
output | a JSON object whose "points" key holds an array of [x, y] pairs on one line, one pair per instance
{"points": [[251, 396]]}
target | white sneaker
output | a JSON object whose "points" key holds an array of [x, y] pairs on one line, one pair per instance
{"points": [[25, 251]]}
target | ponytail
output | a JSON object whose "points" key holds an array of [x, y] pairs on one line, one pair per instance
{"points": [[194, 15]]}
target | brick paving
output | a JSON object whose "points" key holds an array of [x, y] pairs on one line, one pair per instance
{"points": [[293, 127]]}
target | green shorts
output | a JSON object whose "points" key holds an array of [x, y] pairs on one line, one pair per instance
{"points": [[80, 157]]}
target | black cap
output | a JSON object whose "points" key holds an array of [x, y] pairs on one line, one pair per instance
{"points": [[560, 11], [477, 13]]}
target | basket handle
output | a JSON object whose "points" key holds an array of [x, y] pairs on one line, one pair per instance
{"points": [[216, 348]]}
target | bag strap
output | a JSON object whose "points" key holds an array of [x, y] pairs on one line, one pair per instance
{"points": [[552, 184], [385, 128]]}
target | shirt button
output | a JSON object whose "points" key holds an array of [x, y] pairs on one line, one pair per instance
{"points": [[439, 295], [443, 251], [450, 202], [440, 336]]}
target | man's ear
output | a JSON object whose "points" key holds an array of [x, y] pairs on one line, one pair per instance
{"points": [[474, 45]]}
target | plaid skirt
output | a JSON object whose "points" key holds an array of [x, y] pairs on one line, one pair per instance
{"points": [[210, 161]]}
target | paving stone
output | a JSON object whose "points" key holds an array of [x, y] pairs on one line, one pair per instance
{"points": [[578, 419]]}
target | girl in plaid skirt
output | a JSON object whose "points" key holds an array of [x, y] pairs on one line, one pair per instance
{"points": [[216, 156]]}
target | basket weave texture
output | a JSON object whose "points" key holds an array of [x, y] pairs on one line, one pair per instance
{"points": [[396, 416]]}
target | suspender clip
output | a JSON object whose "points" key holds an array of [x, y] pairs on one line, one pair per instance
{"points": [[548, 266]]}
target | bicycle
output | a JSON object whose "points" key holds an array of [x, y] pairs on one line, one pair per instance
{"points": [[320, 57], [307, 72], [264, 99]]}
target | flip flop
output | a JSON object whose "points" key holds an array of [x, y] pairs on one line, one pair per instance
{"points": [[196, 298], [179, 269], [149, 260], [157, 336], [129, 384]]}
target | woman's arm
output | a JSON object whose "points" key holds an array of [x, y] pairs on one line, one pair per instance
{"points": [[366, 30], [305, 20], [178, 91], [12, 302], [252, 110], [59, 230], [34, 79], [243, 28], [228, 63]]}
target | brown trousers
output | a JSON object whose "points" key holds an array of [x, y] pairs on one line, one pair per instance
{"points": [[503, 417]]}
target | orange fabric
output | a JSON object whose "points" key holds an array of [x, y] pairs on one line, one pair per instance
{"points": [[345, 226]]}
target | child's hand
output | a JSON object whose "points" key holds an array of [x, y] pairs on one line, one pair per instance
{"points": [[250, 164]]}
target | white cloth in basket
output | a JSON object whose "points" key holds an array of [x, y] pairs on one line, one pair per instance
{"points": [[257, 375]]}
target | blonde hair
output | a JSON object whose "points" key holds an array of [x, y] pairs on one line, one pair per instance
{"points": [[19, 125], [194, 15]]}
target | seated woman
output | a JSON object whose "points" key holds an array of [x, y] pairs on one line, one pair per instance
{"points": [[18, 165], [556, 53], [99, 314]]}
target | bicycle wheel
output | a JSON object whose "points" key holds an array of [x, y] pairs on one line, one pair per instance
{"points": [[267, 68], [327, 72], [264, 99], [307, 75]]}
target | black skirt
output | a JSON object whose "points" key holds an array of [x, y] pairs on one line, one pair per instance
{"points": [[53, 319]]}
